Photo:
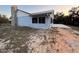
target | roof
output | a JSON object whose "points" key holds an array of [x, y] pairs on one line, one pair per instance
{"points": [[37, 13], [43, 12], [24, 11]]}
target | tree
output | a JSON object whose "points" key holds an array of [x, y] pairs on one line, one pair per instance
{"points": [[74, 15], [3, 19], [59, 17]]}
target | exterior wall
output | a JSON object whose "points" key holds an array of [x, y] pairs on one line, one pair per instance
{"points": [[24, 21], [42, 26], [27, 21]]}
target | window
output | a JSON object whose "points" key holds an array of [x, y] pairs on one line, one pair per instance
{"points": [[38, 20], [41, 19], [34, 20]]}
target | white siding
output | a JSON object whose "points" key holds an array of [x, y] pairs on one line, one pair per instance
{"points": [[24, 21], [27, 21]]}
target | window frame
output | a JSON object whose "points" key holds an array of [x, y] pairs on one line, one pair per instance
{"points": [[34, 21], [42, 21]]}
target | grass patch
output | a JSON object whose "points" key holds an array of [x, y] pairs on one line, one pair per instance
{"points": [[75, 28]]}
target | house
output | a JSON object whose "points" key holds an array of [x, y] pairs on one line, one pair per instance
{"points": [[39, 20]]}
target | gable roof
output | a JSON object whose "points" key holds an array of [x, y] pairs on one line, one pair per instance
{"points": [[37, 13]]}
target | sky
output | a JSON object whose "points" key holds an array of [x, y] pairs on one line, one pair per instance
{"points": [[6, 9]]}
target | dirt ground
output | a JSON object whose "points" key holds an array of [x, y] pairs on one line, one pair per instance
{"points": [[28, 40]]}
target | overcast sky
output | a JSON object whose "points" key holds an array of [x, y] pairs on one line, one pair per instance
{"points": [[6, 9]]}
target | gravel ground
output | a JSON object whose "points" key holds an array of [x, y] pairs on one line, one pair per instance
{"points": [[28, 40]]}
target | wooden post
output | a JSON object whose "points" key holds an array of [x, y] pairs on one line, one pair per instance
{"points": [[14, 16]]}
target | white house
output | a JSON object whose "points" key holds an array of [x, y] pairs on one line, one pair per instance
{"points": [[39, 20]]}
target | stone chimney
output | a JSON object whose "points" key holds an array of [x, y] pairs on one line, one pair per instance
{"points": [[14, 15]]}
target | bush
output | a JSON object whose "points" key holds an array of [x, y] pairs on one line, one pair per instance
{"points": [[4, 19]]}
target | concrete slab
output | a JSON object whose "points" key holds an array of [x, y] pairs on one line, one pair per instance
{"points": [[59, 26]]}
